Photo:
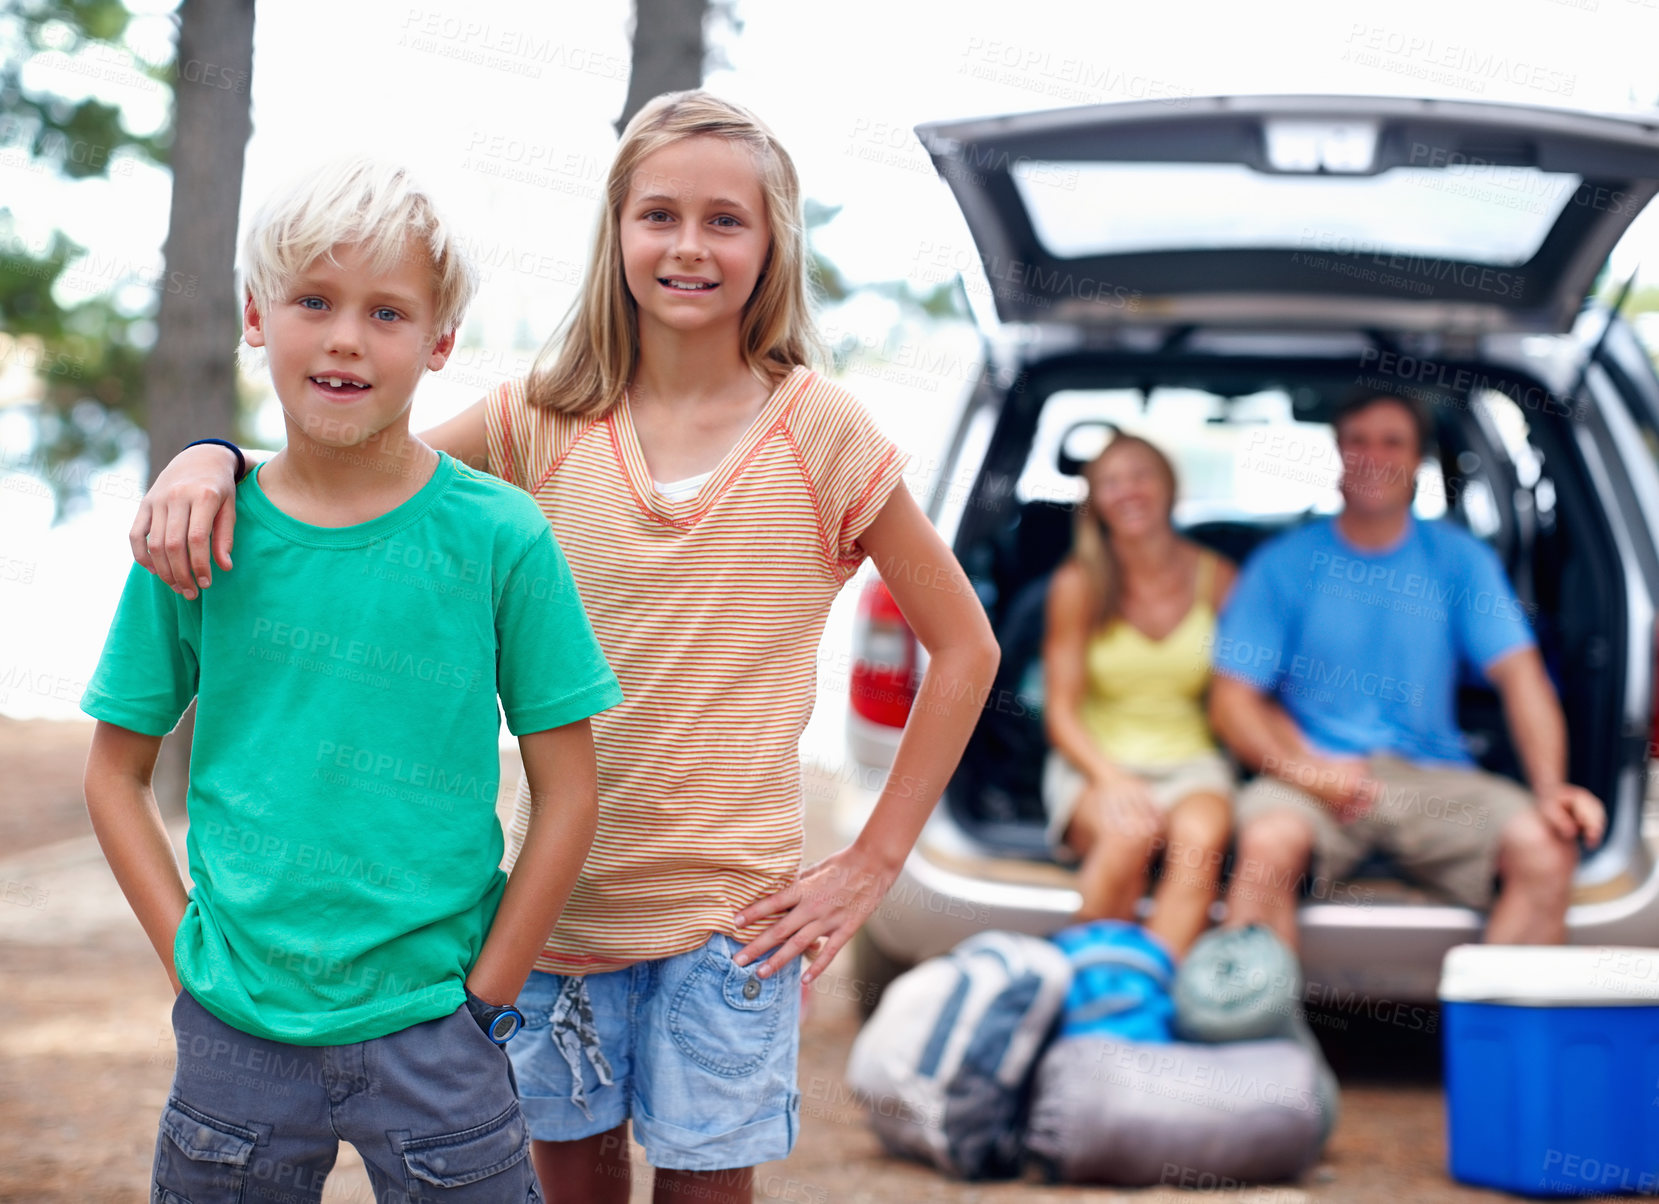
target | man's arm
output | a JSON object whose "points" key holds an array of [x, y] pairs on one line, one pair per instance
{"points": [[1256, 632], [1242, 716], [129, 828], [564, 813], [1539, 732], [1264, 738]]}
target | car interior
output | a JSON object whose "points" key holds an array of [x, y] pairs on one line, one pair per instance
{"points": [[1508, 468]]}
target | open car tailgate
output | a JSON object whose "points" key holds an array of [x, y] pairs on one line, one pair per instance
{"points": [[1371, 212]]}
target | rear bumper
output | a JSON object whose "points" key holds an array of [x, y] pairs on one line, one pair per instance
{"points": [[1363, 947]]}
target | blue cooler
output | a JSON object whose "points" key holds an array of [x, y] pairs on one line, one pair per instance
{"points": [[1552, 1068]]}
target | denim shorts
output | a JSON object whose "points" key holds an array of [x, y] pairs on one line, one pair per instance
{"points": [[430, 1108], [698, 1052]]}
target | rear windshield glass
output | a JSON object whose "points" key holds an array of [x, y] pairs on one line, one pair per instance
{"points": [[1476, 213], [1244, 458]]}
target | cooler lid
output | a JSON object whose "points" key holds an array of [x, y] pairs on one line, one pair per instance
{"points": [[1551, 975]]}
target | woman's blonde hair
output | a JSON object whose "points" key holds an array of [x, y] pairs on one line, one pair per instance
{"points": [[360, 201], [1091, 547], [585, 367]]}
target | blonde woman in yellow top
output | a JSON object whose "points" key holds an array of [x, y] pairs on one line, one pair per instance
{"points": [[1126, 663]]}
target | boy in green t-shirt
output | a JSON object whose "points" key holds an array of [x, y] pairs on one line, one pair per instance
{"points": [[345, 954]]}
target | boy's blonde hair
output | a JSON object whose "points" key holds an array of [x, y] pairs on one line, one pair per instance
{"points": [[360, 202], [584, 368]]}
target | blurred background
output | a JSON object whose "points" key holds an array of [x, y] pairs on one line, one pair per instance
{"points": [[135, 137]]}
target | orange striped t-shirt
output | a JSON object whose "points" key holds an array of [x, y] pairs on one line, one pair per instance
{"points": [[709, 611]]}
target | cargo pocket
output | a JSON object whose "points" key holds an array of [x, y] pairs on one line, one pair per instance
{"points": [[726, 1018], [463, 1166], [200, 1157]]}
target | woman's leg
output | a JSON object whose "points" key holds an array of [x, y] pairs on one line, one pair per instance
{"points": [[1112, 877], [1198, 827]]}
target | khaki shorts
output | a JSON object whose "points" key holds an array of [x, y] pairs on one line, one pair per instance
{"points": [[1439, 824], [1208, 773]]}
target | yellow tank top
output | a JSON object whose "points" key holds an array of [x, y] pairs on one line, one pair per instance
{"points": [[1143, 700]]}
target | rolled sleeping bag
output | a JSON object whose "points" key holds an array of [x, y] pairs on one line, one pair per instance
{"points": [[1132, 1115], [1236, 984], [1243, 984]]}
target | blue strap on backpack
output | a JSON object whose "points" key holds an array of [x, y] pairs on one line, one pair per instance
{"points": [[1120, 985]]}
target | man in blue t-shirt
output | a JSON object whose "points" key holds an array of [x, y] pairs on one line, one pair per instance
{"points": [[1336, 668]]}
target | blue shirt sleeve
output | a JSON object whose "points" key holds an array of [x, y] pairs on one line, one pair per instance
{"points": [[1488, 620], [1254, 626], [551, 671], [148, 672]]}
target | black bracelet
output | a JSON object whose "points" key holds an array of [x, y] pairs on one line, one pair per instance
{"points": [[241, 460]]}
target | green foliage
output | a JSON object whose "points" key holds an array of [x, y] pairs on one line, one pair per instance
{"points": [[827, 280], [1643, 300], [77, 138], [942, 302], [88, 357]]}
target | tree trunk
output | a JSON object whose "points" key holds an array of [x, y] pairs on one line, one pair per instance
{"points": [[668, 51], [190, 375]]}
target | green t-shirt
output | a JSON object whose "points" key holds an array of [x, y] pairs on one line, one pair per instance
{"points": [[343, 840]]}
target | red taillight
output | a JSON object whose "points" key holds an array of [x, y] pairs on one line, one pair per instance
{"points": [[883, 683]]}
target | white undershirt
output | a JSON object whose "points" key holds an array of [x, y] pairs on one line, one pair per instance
{"points": [[678, 491]]}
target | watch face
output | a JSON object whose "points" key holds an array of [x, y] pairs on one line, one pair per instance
{"points": [[503, 1026]]}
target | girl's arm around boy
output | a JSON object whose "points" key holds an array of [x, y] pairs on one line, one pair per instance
{"points": [[830, 901]]}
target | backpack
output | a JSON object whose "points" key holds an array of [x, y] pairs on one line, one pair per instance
{"points": [[945, 1062], [1120, 985]]}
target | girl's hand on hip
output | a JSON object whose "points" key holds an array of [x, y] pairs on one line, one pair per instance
{"points": [[818, 913]]}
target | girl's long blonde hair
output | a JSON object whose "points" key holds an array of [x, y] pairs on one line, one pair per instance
{"points": [[1091, 547], [585, 367]]}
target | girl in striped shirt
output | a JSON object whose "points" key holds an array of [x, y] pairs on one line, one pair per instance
{"points": [[712, 493]]}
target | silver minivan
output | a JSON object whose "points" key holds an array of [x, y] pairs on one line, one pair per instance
{"points": [[1215, 274]]}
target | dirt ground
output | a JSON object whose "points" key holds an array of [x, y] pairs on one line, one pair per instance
{"points": [[86, 1048]]}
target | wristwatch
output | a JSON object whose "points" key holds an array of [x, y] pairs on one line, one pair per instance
{"points": [[499, 1021]]}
